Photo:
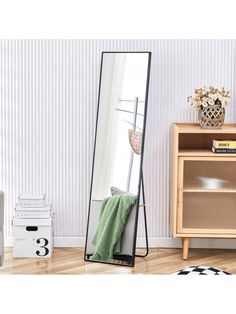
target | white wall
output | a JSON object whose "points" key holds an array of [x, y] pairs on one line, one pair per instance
{"points": [[48, 98]]}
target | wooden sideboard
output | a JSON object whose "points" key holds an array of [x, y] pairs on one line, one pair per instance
{"points": [[203, 184]]}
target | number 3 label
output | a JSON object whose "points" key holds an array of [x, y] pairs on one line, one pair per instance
{"points": [[43, 247]]}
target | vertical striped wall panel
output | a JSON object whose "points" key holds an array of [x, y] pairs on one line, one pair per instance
{"points": [[48, 98]]}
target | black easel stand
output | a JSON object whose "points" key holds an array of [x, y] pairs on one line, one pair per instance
{"points": [[145, 217]]}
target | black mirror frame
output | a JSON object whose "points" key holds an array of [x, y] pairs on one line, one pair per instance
{"points": [[141, 159]]}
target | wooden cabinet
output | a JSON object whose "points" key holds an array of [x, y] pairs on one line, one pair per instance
{"points": [[203, 185]]}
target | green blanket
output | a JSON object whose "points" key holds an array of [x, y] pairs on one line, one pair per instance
{"points": [[113, 216]]}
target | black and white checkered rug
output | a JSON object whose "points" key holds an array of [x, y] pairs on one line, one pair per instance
{"points": [[201, 270]]}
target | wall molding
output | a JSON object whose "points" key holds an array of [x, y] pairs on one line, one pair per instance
{"points": [[153, 242]]}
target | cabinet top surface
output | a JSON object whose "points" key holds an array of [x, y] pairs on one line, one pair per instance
{"points": [[196, 128]]}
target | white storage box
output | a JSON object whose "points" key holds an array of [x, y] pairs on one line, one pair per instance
{"points": [[33, 237], [31, 200], [33, 212]]}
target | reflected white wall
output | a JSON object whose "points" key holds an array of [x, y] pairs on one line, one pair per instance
{"points": [[123, 80]]}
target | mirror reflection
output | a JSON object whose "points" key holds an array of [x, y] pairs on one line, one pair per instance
{"points": [[114, 198]]}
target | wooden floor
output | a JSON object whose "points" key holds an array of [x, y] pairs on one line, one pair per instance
{"points": [[159, 261]]}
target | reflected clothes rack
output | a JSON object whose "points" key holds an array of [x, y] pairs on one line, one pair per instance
{"points": [[135, 112]]}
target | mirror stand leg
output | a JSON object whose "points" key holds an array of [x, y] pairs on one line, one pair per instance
{"points": [[145, 218]]}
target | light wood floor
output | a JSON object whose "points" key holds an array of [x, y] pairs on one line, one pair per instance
{"points": [[159, 261]]}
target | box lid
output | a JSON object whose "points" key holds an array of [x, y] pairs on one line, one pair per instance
{"points": [[32, 221], [38, 209], [31, 197]]}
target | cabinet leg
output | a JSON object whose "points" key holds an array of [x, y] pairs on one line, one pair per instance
{"points": [[185, 244]]}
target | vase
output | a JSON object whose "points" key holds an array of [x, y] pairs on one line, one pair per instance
{"points": [[211, 117]]}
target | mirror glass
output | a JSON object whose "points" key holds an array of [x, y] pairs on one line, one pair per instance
{"points": [[115, 186]]}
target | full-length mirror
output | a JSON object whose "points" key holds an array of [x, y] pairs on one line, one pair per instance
{"points": [[117, 162]]}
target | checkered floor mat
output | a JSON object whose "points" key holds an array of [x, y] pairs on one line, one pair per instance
{"points": [[201, 270]]}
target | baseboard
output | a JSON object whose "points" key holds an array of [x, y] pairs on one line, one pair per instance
{"points": [[167, 242]]}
